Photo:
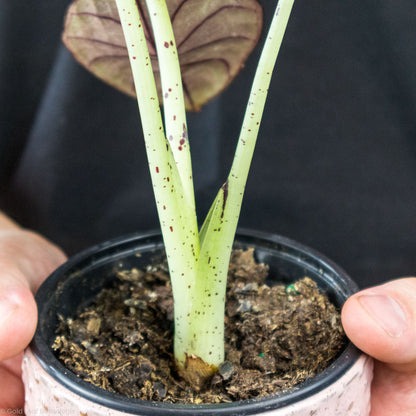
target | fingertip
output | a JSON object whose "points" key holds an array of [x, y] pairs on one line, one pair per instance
{"points": [[359, 327], [18, 319]]}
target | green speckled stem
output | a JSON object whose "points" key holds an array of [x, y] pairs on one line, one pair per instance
{"points": [[217, 233], [175, 206]]}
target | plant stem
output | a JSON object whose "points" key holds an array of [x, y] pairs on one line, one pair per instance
{"points": [[254, 111], [172, 91], [218, 232], [175, 206]]}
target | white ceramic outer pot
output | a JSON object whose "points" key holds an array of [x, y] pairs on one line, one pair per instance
{"points": [[349, 395], [50, 389]]}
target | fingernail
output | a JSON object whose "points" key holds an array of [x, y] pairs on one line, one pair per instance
{"points": [[386, 312]]}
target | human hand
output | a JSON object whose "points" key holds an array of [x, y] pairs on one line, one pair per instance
{"points": [[26, 259], [381, 321]]}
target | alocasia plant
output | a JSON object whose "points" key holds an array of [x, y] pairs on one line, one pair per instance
{"points": [[198, 259]]}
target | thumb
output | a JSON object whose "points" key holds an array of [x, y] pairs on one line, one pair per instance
{"points": [[381, 321], [18, 319], [25, 261]]}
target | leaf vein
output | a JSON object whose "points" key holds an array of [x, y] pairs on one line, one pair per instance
{"points": [[213, 42], [98, 16], [103, 42], [204, 21], [104, 57]]}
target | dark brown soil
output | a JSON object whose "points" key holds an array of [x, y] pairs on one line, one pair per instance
{"points": [[276, 337]]}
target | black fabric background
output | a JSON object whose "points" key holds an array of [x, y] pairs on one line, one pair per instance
{"points": [[335, 166]]}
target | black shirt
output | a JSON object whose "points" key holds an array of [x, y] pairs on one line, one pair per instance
{"points": [[335, 164]]}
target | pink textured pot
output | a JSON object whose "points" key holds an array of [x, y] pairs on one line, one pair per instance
{"points": [[341, 389]]}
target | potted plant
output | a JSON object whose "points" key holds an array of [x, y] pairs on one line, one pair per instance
{"points": [[198, 260]]}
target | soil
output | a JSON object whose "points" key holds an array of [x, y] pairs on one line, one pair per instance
{"points": [[276, 337]]}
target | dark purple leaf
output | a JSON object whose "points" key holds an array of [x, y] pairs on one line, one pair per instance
{"points": [[214, 38]]}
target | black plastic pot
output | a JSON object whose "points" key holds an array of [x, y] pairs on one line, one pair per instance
{"points": [[76, 282]]}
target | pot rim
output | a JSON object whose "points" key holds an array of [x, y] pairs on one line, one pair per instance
{"points": [[152, 239]]}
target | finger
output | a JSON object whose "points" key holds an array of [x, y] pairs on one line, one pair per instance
{"points": [[18, 318], [25, 261], [14, 364], [393, 392], [381, 321], [11, 393], [29, 256], [6, 222], [11, 386]]}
